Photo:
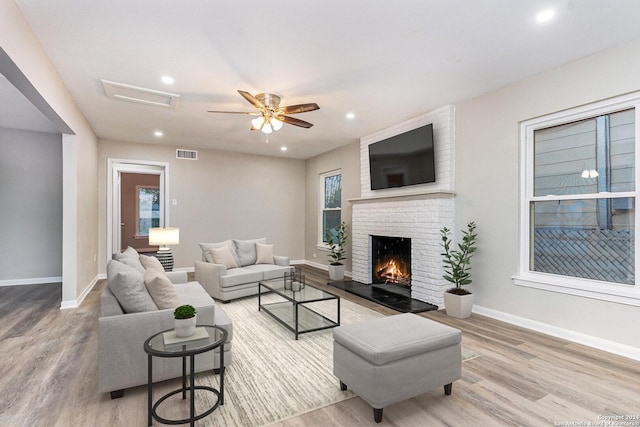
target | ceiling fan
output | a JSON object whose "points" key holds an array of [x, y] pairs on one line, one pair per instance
{"points": [[270, 115]]}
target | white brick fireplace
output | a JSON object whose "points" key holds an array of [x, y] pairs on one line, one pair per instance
{"points": [[415, 212]]}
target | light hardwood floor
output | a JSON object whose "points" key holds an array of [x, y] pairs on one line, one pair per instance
{"points": [[48, 374]]}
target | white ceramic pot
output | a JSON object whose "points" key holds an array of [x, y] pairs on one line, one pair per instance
{"points": [[336, 272], [185, 327], [458, 306]]}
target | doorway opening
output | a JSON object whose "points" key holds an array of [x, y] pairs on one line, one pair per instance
{"points": [[145, 182]]}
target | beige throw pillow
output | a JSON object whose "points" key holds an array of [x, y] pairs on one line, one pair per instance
{"points": [[151, 262], [223, 255], [264, 253], [162, 291]]}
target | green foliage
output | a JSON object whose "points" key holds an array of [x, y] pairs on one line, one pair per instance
{"points": [[337, 240], [184, 312], [457, 262]]}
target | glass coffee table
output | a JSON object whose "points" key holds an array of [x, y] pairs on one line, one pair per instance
{"points": [[294, 309]]}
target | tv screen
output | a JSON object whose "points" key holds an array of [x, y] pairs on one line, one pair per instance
{"points": [[405, 159]]}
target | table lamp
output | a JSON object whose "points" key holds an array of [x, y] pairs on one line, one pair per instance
{"points": [[163, 237]]}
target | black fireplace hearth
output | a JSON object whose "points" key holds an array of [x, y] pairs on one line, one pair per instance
{"points": [[394, 297]]}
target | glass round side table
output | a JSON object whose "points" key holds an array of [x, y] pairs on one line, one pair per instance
{"points": [[202, 342]]}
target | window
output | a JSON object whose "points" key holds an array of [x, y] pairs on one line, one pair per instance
{"points": [[331, 204], [578, 197], [148, 209]]}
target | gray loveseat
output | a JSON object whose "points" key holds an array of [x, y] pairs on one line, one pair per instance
{"points": [[233, 268], [122, 362]]}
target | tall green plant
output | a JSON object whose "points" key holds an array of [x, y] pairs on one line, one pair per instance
{"points": [[457, 262], [337, 242]]}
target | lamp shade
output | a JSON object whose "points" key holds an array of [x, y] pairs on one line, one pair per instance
{"points": [[164, 236]]}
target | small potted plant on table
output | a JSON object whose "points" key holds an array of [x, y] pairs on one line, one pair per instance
{"points": [[458, 302], [337, 240], [185, 320]]}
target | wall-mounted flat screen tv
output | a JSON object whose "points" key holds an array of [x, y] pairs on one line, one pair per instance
{"points": [[404, 159]]}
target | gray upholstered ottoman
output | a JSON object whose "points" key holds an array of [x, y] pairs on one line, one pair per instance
{"points": [[394, 358]]}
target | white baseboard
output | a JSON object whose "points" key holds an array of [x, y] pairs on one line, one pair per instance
{"points": [[31, 281], [569, 335], [314, 264], [75, 303], [320, 266]]}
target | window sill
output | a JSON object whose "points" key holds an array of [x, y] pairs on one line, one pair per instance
{"points": [[322, 247], [621, 294]]}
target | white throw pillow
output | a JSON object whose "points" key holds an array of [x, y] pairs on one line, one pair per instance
{"points": [[161, 289], [264, 253], [223, 255]]}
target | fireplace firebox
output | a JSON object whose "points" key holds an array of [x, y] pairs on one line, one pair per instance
{"points": [[391, 260]]}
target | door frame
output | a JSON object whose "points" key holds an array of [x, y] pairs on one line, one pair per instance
{"points": [[114, 168]]}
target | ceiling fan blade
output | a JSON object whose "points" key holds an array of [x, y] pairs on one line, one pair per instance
{"points": [[235, 112], [296, 122], [252, 99], [300, 108]]}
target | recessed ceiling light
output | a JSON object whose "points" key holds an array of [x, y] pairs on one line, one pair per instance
{"points": [[283, 148], [545, 15], [350, 116], [158, 133], [167, 79]]}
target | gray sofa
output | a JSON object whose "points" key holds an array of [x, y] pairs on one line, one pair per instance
{"points": [[233, 268], [122, 362]]}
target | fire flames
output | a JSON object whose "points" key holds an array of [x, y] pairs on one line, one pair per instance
{"points": [[391, 272]]}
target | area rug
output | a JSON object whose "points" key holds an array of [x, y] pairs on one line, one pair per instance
{"points": [[273, 376]]}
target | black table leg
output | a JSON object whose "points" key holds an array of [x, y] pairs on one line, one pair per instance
{"points": [[192, 389], [184, 377], [296, 319], [149, 391], [222, 374]]}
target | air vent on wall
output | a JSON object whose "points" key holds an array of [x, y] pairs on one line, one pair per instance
{"points": [[140, 95], [186, 154]]}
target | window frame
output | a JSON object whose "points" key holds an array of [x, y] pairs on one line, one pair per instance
{"points": [[608, 291], [322, 245]]}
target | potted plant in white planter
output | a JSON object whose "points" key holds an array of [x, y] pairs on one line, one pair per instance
{"points": [[458, 302], [337, 240], [185, 320]]}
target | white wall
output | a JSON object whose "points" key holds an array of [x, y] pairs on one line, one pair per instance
{"points": [[220, 196], [31, 213], [487, 173], [347, 159], [79, 154]]}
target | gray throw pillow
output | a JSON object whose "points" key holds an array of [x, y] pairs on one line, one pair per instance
{"points": [[131, 258], [127, 285], [246, 250]]}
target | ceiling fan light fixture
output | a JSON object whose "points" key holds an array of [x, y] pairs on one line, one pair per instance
{"points": [[276, 124], [266, 128], [257, 122]]}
